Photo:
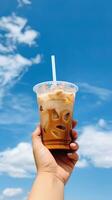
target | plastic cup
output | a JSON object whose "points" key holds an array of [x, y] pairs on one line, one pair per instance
{"points": [[56, 103]]}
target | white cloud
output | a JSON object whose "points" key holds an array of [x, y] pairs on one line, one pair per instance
{"points": [[102, 123], [24, 2], [12, 66], [18, 161], [12, 192], [5, 49], [14, 31], [102, 93], [82, 163], [36, 59], [17, 30], [96, 146]]}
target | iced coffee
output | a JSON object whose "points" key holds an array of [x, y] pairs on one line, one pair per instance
{"points": [[56, 110]]}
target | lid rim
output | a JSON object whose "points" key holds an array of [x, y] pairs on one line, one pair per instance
{"points": [[51, 82]]}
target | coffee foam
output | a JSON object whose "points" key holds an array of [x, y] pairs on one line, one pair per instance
{"points": [[57, 95], [56, 98]]}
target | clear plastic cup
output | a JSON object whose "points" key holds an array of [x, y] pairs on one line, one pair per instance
{"points": [[56, 102]]}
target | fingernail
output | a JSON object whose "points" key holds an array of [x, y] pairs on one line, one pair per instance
{"points": [[73, 144]]}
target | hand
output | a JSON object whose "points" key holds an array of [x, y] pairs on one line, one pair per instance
{"points": [[59, 164]]}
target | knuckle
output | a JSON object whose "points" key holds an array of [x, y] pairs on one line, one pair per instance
{"points": [[76, 157], [74, 134], [77, 145], [33, 135]]}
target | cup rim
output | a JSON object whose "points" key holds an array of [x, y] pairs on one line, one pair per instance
{"points": [[51, 82]]}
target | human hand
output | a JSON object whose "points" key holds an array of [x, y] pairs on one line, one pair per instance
{"points": [[58, 163]]}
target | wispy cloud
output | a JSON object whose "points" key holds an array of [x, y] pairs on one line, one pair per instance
{"points": [[102, 93], [12, 66], [82, 163], [15, 31], [102, 123], [12, 192], [96, 145], [21, 162], [21, 110], [6, 49], [23, 2]]}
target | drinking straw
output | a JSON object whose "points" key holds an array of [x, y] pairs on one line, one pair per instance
{"points": [[53, 68]]}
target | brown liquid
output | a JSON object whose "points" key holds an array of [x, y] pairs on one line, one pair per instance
{"points": [[56, 119]]}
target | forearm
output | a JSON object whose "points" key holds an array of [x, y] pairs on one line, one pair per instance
{"points": [[47, 187]]}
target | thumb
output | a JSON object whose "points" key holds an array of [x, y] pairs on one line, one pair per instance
{"points": [[36, 138]]}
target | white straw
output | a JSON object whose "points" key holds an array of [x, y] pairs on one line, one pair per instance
{"points": [[53, 68]]}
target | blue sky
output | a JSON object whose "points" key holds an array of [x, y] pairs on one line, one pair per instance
{"points": [[79, 33]]}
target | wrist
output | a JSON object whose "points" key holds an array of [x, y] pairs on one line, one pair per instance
{"points": [[51, 177], [47, 186]]}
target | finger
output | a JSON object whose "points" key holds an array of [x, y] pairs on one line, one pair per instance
{"points": [[74, 146], [73, 156], [37, 132], [74, 134], [74, 123], [36, 138]]}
